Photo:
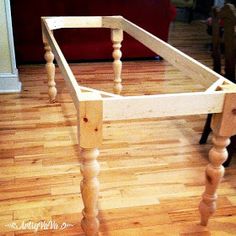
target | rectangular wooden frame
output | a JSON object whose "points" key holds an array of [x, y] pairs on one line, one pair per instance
{"points": [[95, 106]]}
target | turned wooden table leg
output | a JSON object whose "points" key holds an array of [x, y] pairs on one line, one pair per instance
{"points": [[117, 37], [223, 126], [89, 190], [214, 173], [90, 138], [50, 68]]}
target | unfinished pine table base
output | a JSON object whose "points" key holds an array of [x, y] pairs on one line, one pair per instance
{"points": [[95, 106]]}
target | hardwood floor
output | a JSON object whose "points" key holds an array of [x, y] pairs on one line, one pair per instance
{"points": [[152, 171]]}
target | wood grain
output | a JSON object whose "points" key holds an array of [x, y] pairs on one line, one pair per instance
{"points": [[152, 171]]}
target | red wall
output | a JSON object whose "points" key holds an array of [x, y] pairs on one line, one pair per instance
{"points": [[86, 44]]}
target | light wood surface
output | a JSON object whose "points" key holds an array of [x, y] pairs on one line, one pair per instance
{"points": [[162, 105], [152, 171], [73, 22], [50, 68], [214, 173], [223, 126], [116, 38], [61, 61], [90, 189]]}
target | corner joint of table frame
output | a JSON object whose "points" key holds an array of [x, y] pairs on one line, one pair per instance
{"points": [[90, 119], [112, 22]]}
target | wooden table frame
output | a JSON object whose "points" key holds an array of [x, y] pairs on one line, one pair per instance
{"points": [[95, 106]]}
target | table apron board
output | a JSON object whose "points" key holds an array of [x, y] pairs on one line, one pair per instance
{"points": [[162, 105]]}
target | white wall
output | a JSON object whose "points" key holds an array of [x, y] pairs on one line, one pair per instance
{"points": [[9, 79]]}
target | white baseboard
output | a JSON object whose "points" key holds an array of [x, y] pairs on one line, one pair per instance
{"points": [[9, 83]]}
